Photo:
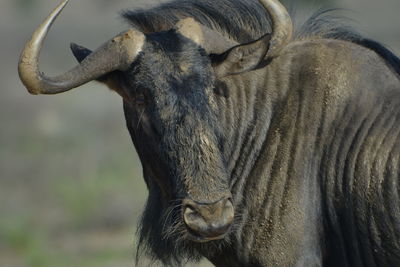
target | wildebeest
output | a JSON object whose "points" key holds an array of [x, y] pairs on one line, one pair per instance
{"points": [[258, 148]]}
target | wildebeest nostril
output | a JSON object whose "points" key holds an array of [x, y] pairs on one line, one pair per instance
{"points": [[208, 221]]}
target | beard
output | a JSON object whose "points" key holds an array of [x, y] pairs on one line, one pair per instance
{"points": [[163, 236]]}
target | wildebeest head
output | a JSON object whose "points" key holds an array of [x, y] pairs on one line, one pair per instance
{"points": [[167, 80], [171, 114]]}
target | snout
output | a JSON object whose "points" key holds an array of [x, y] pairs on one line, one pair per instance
{"points": [[205, 221]]}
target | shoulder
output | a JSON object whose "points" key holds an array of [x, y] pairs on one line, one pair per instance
{"points": [[330, 52], [338, 60]]}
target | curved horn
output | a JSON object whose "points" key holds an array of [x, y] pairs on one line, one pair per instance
{"points": [[282, 26], [116, 54], [212, 41]]}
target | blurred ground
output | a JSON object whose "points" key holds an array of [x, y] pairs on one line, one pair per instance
{"points": [[71, 190]]}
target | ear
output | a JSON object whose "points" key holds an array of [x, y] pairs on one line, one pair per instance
{"points": [[241, 58], [110, 79]]}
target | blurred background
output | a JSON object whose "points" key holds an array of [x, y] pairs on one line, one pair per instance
{"points": [[71, 188]]}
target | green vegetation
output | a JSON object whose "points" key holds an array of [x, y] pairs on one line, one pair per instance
{"points": [[37, 248]]}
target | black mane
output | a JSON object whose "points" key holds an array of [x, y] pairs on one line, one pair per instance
{"points": [[246, 20], [327, 24]]}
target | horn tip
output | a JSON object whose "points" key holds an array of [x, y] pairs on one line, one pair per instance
{"points": [[65, 2]]}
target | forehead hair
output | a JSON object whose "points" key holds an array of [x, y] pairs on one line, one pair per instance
{"points": [[169, 50]]}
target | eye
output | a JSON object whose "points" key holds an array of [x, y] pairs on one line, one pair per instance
{"points": [[140, 100]]}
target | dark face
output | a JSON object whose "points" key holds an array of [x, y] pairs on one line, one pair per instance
{"points": [[171, 113]]}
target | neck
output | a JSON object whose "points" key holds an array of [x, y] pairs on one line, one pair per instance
{"points": [[260, 148], [247, 113]]}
